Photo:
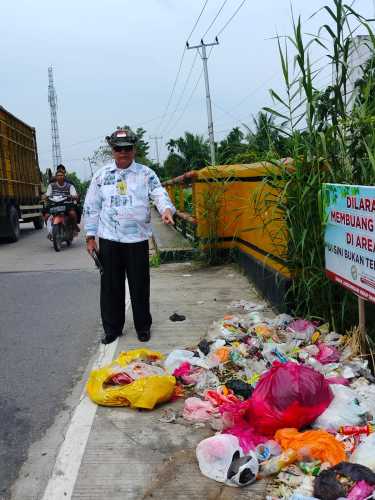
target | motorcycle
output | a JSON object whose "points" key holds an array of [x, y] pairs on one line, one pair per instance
{"points": [[62, 227]]}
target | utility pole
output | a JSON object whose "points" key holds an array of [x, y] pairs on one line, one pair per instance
{"points": [[203, 55], [90, 165], [155, 138]]}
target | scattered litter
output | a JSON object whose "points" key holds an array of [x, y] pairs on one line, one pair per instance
{"points": [[196, 410], [316, 445], [328, 485], [177, 317], [169, 416], [289, 401], [246, 306], [365, 453], [345, 409]]}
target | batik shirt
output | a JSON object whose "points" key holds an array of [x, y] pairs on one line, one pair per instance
{"points": [[117, 204]]}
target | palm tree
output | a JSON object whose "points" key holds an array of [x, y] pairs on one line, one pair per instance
{"points": [[191, 151]]}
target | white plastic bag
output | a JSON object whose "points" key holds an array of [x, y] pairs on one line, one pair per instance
{"points": [[345, 409], [221, 458], [176, 358], [365, 453]]}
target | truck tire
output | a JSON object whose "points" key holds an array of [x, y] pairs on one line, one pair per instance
{"points": [[14, 225], [38, 223]]}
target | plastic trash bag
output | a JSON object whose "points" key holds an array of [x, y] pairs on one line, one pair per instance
{"points": [[239, 387], [365, 453], [317, 445], [288, 395], [345, 409], [360, 491], [183, 370], [302, 329], [145, 392], [197, 410], [220, 458], [327, 354], [176, 358], [235, 421], [247, 437], [327, 485]]}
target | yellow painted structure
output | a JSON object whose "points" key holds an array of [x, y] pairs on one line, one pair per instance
{"points": [[233, 208]]}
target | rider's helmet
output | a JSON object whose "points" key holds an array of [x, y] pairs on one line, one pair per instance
{"points": [[122, 137], [61, 167]]}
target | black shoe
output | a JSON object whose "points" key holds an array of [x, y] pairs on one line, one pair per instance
{"points": [[108, 339], [144, 335]]}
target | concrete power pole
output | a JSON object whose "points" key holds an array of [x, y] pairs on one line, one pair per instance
{"points": [[203, 55], [157, 147]]}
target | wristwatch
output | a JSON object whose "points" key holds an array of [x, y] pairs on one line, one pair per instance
{"points": [[88, 238]]}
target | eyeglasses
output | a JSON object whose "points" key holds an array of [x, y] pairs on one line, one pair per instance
{"points": [[118, 149]]}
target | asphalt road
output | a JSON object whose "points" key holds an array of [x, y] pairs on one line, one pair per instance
{"points": [[49, 329]]}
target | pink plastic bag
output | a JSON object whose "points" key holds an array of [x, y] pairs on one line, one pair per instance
{"points": [[235, 421], [196, 410], [360, 491], [247, 437], [302, 326], [183, 369], [287, 395], [327, 354]]}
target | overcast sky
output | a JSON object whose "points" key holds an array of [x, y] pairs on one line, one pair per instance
{"points": [[115, 62]]}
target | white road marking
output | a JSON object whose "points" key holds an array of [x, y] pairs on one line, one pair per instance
{"points": [[68, 462]]}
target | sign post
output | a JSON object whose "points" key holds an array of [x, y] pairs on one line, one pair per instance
{"points": [[361, 317], [349, 218]]}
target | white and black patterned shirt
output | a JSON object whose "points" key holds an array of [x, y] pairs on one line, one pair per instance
{"points": [[117, 204]]}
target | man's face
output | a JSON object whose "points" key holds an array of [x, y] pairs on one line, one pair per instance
{"points": [[123, 155], [60, 177]]}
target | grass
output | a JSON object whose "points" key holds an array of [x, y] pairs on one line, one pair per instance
{"points": [[154, 260], [329, 140]]}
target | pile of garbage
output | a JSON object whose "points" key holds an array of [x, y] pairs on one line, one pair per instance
{"points": [[288, 400]]}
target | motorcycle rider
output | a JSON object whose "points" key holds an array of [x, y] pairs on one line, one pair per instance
{"points": [[62, 188]]}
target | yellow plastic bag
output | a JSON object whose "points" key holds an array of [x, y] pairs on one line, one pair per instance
{"points": [[146, 392]]}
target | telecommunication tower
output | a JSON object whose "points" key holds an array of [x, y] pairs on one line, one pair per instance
{"points": [[52, 99]]}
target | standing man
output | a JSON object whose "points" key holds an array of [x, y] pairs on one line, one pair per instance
{"points": [[117, 211]]}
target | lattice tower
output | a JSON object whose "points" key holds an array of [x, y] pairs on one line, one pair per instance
{"points": [[52, 99]]}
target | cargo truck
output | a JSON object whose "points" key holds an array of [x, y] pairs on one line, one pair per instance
{"points": [[20, 178]]}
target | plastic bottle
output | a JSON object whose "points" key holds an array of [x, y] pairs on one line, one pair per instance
{"points": [[276, 464]]}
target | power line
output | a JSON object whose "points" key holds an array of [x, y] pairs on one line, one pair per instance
{"points": [[183, 91], [179, 71], [173, 88], [230, 19], [186, 104], [214, 19], [197, 21]]}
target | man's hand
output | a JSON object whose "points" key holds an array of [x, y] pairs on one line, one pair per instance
{"points": [[91, 245], [167, 217]]}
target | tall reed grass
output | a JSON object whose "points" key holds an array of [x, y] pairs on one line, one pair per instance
{"points": [[331, 138]]}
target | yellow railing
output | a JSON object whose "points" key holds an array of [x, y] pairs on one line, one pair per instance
{"points": [[232, 208]]}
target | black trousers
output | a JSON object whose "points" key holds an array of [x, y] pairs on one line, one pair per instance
{"points": [[121, 260]]}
